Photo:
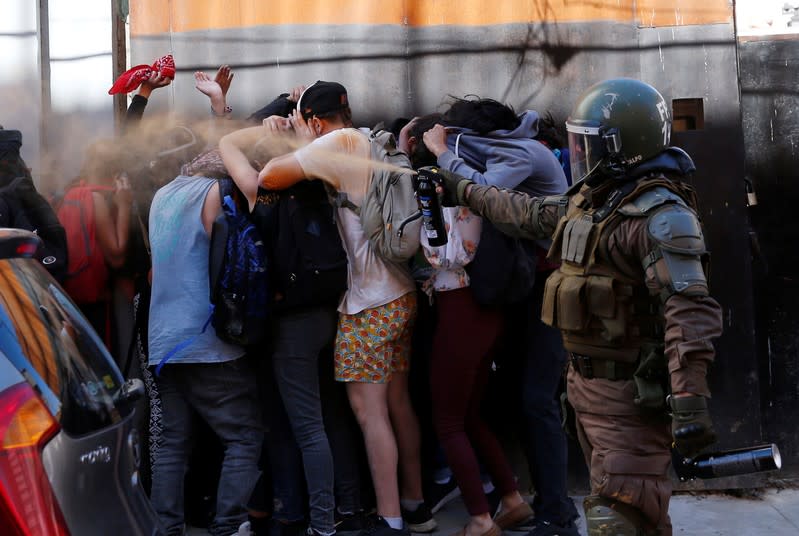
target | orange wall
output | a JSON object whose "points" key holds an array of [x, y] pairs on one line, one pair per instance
{"points": [[166, 16]]}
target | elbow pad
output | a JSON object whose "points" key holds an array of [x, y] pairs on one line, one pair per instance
{"points": [[679, 247]]}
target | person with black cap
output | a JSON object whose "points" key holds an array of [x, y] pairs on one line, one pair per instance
{"points": [[22, 206], [376, 312]]}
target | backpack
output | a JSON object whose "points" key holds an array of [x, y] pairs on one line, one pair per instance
{"points": [[389, 214], [503, 269], [309, 261], [237, 270], [86, 280]]}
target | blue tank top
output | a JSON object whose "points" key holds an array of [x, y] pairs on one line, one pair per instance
{"points": [[180, 303]]}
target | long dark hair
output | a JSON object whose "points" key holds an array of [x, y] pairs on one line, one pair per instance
{"points": [[549, 133], [421, 155], [480, 115]]}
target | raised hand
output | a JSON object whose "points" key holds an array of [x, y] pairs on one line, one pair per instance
{"points": [[302, 128], [294, 94], [208, 86], [224, 76], [436, 140], [155, 81], [213, 89]]}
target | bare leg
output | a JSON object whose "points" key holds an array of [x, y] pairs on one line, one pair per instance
{"points": [[369, 402], [406, 430]]}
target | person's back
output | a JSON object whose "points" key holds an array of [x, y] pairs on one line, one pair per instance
{"points": [[373, 281], [180, 303], [510, 158], [489, 144], [372, 347], [87, 276], [195, 371]]}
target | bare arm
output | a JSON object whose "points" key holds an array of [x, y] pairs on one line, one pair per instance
{"points": [[232, 146], [281, 172], [112, 233]]}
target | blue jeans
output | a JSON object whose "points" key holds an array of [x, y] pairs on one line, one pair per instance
{"points": [[225, 396], [281, 488], [344, 436], [536, 362], [299, 338]]}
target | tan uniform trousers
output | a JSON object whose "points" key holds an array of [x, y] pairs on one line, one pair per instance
{"points": [[628, 452]]}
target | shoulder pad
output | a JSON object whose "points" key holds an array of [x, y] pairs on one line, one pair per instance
{"points": [[676, 228], [650, 199]]}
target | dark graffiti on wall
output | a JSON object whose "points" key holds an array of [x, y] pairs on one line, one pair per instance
{"points": [[405, 71]]}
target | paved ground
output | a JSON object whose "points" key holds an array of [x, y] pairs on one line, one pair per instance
{"points": [[765, 512], [771, 513]]}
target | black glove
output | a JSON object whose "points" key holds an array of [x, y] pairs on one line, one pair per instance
{"points": [[691, 426], [451, 183]]}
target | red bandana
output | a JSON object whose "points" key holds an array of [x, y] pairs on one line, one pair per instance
{"points": [[133, 77]]}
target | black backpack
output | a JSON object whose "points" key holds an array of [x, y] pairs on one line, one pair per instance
{"points": [[503, 269], [238, 272], [309, 261]]}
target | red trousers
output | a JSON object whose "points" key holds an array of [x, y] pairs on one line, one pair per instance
{"points": [[461, 361]]}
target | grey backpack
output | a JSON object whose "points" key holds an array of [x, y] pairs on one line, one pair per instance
{"points": [[389, 214]]}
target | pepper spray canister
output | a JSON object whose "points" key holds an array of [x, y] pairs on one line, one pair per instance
{"points": [[430, 205]]}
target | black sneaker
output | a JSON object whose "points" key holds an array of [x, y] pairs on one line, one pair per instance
{"points": [[440, 494], [545, 528], [349, 523], [419, 520], [296, 528], [378, 526]]}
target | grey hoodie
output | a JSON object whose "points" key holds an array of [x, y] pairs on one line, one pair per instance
{"points": [[506, 158]]}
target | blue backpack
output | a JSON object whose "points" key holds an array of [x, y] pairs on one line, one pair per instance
{"points": [[239, 282]]}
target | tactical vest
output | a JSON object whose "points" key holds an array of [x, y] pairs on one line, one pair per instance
{"points": [[601, 310]]}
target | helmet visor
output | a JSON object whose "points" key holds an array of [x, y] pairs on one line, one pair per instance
{"points": [[587, 149]]}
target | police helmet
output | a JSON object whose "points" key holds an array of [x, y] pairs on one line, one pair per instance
{"points": [[615, 125]]}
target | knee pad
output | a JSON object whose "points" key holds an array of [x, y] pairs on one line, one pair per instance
{"points": [[606, 517]]}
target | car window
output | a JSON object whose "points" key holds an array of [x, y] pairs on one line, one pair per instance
{"points": [[60, 346]]}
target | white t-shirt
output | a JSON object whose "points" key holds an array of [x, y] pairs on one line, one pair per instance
{"points": [[341, 158]]}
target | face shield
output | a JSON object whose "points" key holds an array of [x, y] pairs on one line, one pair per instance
{"points": [[590, 144]]}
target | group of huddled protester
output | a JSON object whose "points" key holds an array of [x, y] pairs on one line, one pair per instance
{"points": [[375, 390]]}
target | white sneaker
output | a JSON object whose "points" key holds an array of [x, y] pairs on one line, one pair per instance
{"points": [[245, 529]]}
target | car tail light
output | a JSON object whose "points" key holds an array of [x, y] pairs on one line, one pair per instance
{"points": [[27, 504]]}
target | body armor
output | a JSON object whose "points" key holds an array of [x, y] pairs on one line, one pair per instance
{"points": [[604, 310]]}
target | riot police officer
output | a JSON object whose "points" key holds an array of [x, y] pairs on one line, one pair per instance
{"points": [[630, 298]]}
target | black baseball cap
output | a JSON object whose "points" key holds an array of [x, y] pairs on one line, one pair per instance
{"points": [[321, 98]]}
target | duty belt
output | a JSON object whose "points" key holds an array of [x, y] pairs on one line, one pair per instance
{"points": [[609, 369]]}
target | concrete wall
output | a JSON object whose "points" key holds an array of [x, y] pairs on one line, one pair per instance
{"points": [[400, 69]]}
